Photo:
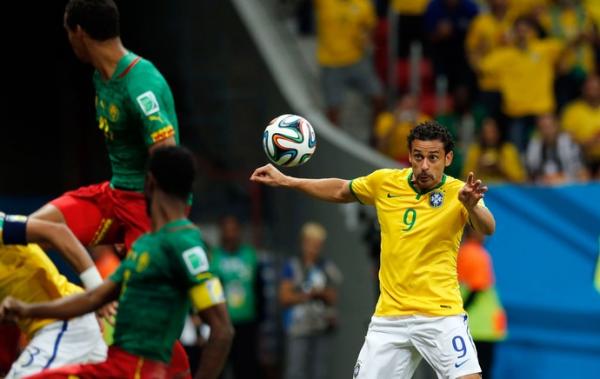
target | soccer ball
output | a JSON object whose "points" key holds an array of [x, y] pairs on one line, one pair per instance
{"points": [[289, 140]]}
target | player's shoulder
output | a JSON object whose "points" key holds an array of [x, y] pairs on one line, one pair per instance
{"points": [[389, 174], [452, 183], [144, 76]]}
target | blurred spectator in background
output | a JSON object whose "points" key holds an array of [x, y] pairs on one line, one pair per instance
{"points": [[464, 123], [392, 128], [488, 31], [567, 20], [344, 31], [308, 293], [552, 156], [446, 24], [525, 73], [487, 320], [236, 265], [493, 159], [581, 119], [410, 23]]}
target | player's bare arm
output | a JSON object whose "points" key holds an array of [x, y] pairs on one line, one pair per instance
{"points": [[63, 308], [60, 237], [215, 352], [162, 143], [331, 189], [480, 217]]}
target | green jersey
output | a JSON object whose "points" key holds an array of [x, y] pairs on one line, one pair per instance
{"points": [[238, 273], [134, 109], [155, 279]]}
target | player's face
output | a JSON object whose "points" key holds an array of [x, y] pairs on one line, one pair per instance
{"points": [[428, 160], [76, 41], [311, 247]]}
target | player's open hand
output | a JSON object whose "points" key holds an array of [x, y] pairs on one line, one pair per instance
{"points": [[268, 175], [108, 312], [472, 192], [12, 309]]}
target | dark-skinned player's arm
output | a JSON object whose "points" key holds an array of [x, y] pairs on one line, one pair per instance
{"points": [[63, 308], [209, 301], [480, 217], [20, 230], [330, 189]]}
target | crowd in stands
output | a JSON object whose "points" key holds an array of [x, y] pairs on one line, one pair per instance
{"points": [[520, 93]]}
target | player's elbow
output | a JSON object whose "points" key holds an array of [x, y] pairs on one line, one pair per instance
{"points": [[222, 332]]}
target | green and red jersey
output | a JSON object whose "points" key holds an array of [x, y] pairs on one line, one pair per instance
{"points": [[134, 109], [155, 280]]}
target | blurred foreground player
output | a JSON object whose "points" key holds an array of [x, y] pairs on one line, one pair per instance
{"points": [[27, 274], [136, 113], [163, 271]]}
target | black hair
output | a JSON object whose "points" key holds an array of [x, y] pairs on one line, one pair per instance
{"points": [[431, 131], [174, 169], [99, 18]]}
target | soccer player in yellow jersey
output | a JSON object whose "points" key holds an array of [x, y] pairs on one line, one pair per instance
{"points": [[422, 213], [26, 273]]}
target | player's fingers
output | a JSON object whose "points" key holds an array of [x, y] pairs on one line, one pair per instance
{"points": [[483, 189], [470, 178]]}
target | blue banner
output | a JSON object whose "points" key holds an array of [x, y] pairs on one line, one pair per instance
{"points": [[545, 252]]}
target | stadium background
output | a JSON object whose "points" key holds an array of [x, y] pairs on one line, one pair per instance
{"points": [[226, 89]]}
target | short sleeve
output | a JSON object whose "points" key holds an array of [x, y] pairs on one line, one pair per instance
{"points": [[118, 275], [150, 107], [191, 263], [364, 188]]}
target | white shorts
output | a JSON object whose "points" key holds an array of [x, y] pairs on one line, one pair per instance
{"points": [[394, 347], [61, 343]]}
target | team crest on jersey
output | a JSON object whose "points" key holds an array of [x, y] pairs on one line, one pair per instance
{"points": [[356, 370], [436, 199], [195, 260], [113, 111], [148, 103]]}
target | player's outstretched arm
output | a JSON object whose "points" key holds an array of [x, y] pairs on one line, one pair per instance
{"points": [[480, 217], [330, 189], [215, 352], [60, 237], [63, 308]]}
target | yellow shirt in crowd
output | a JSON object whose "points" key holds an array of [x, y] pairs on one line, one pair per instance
{"points": [[410, 7], [486, 33], [582, 121], [394, 134], [506, 157], [420, 236], [27, 274], [343, 31], [525, 77]]}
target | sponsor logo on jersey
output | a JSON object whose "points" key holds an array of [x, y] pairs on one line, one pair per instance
{"points": [[436, 199], [148, 103], [195, 260], [113, 112]]}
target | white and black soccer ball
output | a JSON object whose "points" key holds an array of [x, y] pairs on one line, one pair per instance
{"points": [[289, 140]]}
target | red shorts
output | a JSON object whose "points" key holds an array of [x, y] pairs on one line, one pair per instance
{"points": [[118, 365], [100, 215]]}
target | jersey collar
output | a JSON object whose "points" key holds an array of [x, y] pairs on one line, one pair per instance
{"points": [[125, 64], [420, 193]]}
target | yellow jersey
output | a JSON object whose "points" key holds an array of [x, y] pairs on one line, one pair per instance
{"points": [[582, 121], [420, 237], [27, 274], [343, 31], [410, 7], [525, 77]]}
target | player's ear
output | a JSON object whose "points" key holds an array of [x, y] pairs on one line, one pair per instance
{"points": [[449, 157]]}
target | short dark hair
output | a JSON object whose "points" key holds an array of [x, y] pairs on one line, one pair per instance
{"points": [[99, 18], [430, 131], [174, 169]]}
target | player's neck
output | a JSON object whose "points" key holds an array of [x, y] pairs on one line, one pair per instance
{"points": [[166, 209], [105, 55]]}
